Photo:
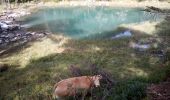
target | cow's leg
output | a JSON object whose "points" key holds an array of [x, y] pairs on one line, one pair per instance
{"points": [[84, 94], [55, 97], [59, 98], [91, 92]]}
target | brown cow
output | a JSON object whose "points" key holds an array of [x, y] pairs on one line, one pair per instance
{"points": [[71, 86]]}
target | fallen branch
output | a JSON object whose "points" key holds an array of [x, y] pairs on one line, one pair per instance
{"points": [[152, 9]]}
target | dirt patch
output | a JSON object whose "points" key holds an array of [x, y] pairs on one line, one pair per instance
{"points": [[3, 67], [159, 91]]}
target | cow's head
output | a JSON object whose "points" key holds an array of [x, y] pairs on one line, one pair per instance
{"points": [[96, 80]]}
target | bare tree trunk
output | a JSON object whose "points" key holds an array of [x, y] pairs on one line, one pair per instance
{"points": [[8, 5], [16, 3]]}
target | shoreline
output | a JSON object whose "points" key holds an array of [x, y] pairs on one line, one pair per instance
{"points": [[126, 4], [33, 7], [21, 11], [129, 4]]}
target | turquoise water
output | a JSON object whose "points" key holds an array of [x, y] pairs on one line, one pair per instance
{"points": [[81, 22]]}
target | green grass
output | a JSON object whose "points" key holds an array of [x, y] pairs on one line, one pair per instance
{"points": [[38, 65]]}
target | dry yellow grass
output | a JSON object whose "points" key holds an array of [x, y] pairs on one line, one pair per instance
{"points": [[46, 46], [142, 27]]}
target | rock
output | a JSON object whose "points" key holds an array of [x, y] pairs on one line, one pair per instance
{"points": [[32, 33], [11, 35], [11, 32], [14, 27], [159, 53], [40, 35], [4, 26], [14, 39], [3, 67], [14, 15], [1, 41], [0, 29], [140, 47], [8, 22], [124, 34], [46, 33], [6, 41], [3, 35], [22, 13]]}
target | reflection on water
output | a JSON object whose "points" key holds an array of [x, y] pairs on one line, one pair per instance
{"points": [[80, 22]]}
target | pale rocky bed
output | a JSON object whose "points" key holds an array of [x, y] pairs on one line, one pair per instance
{"points": [[11, 31]]}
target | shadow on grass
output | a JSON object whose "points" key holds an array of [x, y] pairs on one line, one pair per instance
{"points": [[36, 80], [163, 31], [7, 51], [132, 72], [120, 29], [14, 48]]}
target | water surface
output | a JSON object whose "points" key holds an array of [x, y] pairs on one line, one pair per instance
{"points": [[81, 22]]}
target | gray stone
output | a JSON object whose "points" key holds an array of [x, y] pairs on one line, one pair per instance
{"points": [[1, 41]]}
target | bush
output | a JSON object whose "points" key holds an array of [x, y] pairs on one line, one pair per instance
{"points": [[132, 90]]}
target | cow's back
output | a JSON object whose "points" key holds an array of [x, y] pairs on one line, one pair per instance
{"points": [[71, 86], [83, 82]]}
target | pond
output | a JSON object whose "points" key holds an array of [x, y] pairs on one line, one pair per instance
{"points": [[83, 22]]}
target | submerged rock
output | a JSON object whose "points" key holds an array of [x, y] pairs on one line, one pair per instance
{"points": [[123, 34]]}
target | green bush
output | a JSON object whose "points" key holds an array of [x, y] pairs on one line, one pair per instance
{"points": [[132, 90]]}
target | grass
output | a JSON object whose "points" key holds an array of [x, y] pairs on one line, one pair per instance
{"points": [[38, 65]]}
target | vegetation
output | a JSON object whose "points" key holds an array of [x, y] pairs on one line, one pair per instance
{"points": [[35, 67]]}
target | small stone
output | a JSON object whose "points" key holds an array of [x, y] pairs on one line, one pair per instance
{"points": [[11, 35], [1, 41], [6, 40], [33, 33], [8, 22], [27, 33]]}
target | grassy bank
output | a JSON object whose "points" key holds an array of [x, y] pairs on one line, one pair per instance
{"points": [[35, 67]]}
